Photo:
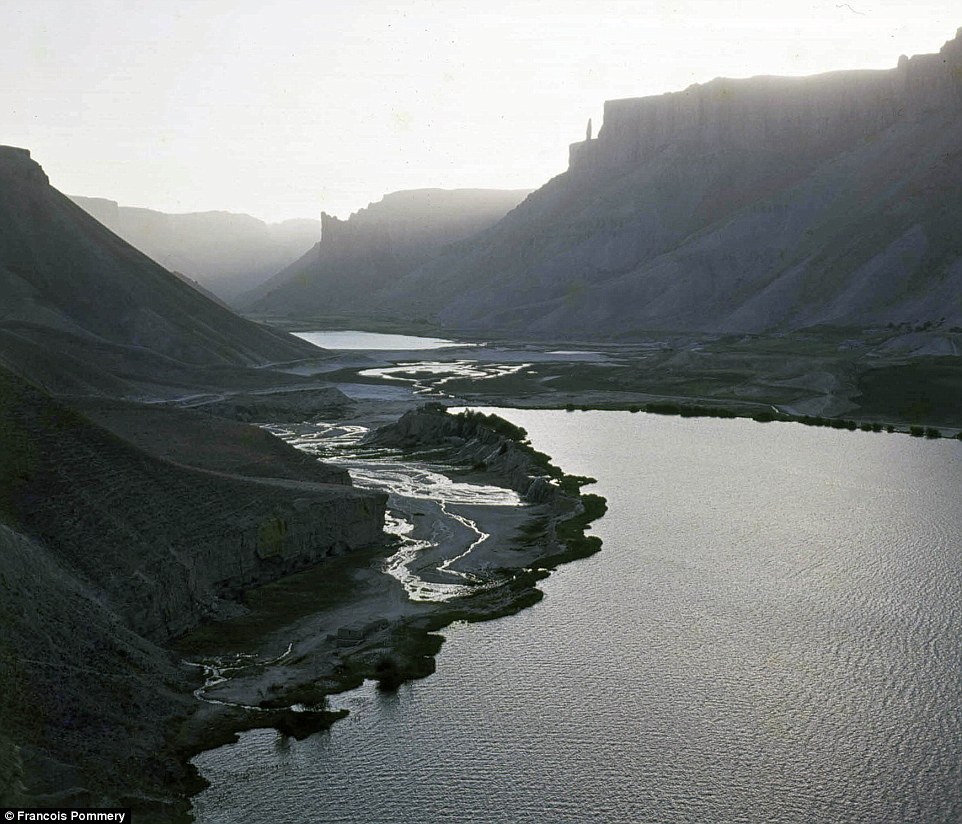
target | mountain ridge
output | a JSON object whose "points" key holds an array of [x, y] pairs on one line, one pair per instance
{"points": [[73, 289], [738, 206]]}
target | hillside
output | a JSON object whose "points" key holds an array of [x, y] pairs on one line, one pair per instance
{"points": [[369, 251], [224, 252], [72, 289], [757, 205], [135, 526], [121, 525]]}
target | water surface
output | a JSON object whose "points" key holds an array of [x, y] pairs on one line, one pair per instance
{"points": [[770, 633], [354, 339]]}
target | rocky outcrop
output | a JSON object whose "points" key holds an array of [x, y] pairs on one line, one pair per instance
{"points": [[224, 252], [765, 204], [359, 257], [482, 442]]}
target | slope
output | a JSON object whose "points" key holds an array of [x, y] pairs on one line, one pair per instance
{"points": [[365, 254], [63, 273], [766, 204], [224, 252]]}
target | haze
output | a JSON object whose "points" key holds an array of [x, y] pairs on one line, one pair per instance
{"points": [[284, 109]]}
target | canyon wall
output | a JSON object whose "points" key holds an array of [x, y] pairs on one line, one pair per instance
{"points": [[764, 204], [359, 257]]}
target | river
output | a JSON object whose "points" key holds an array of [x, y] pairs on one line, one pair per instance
{"points": [[771, 632]]}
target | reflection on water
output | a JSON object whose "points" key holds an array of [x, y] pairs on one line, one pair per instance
{"points": [[353, 339], [771, 632]]}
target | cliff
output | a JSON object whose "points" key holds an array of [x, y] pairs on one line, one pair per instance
{"points": [[358, 258], [765, 204], [223, 252]]}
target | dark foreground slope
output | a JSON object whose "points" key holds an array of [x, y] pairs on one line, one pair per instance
{"points": [[72, 288], [766, 204], [122, 526], [106, 550], [360, 257], [224, 252]]}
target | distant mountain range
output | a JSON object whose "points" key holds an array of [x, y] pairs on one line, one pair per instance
{"points": [[366, 254], [765, 204], [225, 253]]}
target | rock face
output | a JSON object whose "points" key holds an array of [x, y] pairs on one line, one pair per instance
{"points": [[68, 282], [360, 257], [735, 206], [224, 252]]}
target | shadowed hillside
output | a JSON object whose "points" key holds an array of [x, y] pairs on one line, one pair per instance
{"points": [[63, 273], [135, 545], [122, 526]]}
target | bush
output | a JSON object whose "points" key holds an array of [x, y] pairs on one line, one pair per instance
{"points": [[662, 408]]}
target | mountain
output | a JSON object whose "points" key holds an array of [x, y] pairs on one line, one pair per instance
{"points": [[224, 252], [82, 307], [123, 525], [764, 204], [369, 251]]}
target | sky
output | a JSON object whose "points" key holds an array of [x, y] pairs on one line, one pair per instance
{"points": [[285, 108]]}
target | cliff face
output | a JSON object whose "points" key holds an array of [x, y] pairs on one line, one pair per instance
{"points": [[224, 252], [737, 205], [360, 257], [64, 274]]}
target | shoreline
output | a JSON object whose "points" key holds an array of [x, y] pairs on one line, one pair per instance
{"points": [[366, 627]]}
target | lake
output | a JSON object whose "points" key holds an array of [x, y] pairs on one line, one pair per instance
{"points": [[771, 632], [353, 339]]}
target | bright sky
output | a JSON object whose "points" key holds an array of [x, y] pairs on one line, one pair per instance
{"points": [[282, 108]]}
